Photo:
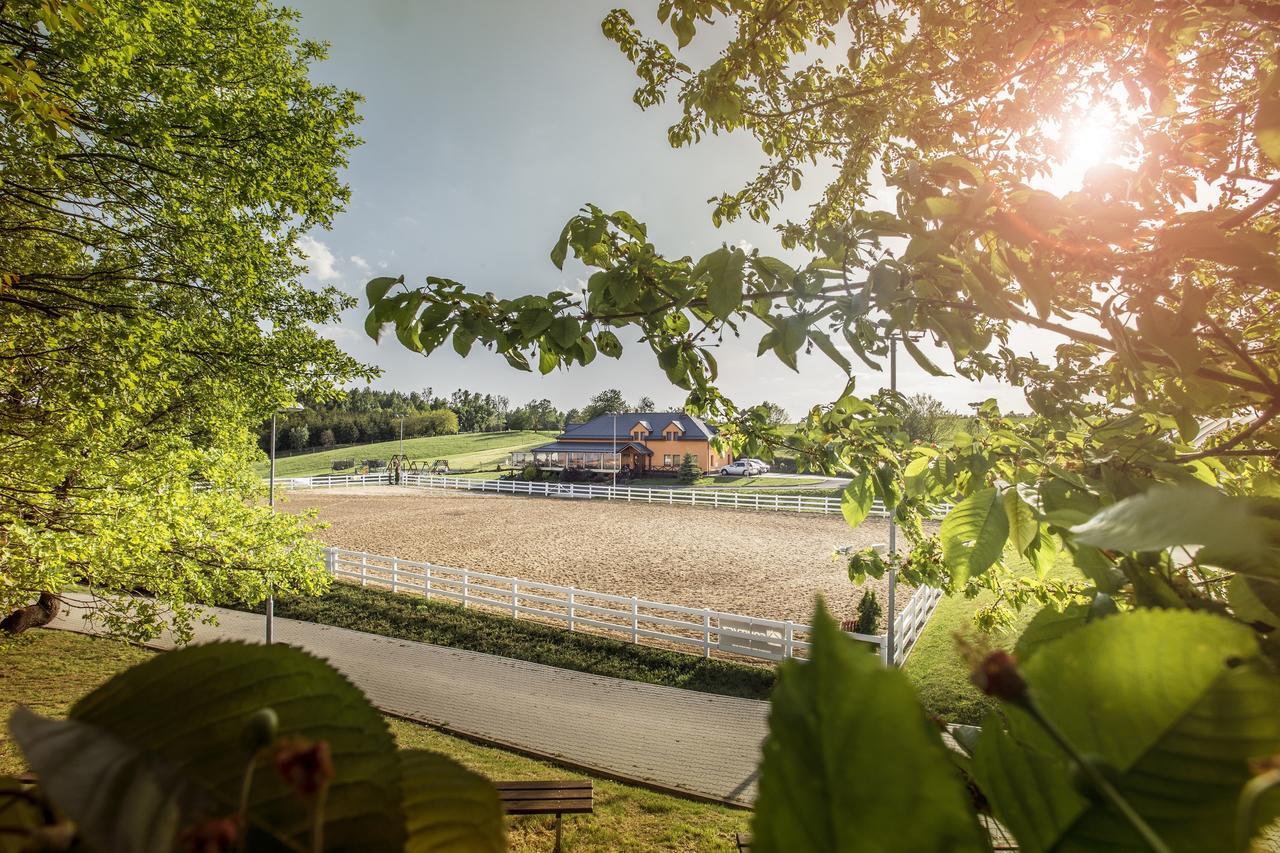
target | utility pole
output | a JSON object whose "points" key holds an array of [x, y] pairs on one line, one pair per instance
{"points": [[890, 633], [615, 450], [271, 502]]}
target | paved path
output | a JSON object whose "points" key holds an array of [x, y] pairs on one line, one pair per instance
{"points": [[695, 742]]}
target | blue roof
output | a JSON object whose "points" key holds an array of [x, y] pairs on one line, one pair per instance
{"points": [[589, 447], [653, 422]]}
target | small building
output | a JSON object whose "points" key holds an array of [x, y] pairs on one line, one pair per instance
{"points": [[638, 442]]}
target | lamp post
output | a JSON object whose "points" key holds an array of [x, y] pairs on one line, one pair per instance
{"points": [[615, 450], [271, 502], [890, 645]]}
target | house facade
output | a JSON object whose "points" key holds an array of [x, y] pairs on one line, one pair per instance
{"points": [[636, 441]]}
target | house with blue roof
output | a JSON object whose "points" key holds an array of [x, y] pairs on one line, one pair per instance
{"points": [[632, 442]]}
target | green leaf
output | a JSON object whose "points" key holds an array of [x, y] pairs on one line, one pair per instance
{"points": [[856, 499], [1023, 527], [973, 534], [849, 755], [377, 288], [373, 326], [1050, 624], [117, 796], [823, 342], [212, 689], [608, 344], [447, 807], [1266, 127], [462, 341], [682, 26], [547, 361], [1255, 601], [564, 331], [1238, 533], [724, 269], [922, 359], [560, 250], [774, 270], [1177, 702]]}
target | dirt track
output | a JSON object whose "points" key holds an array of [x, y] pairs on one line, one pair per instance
{"points": [[768, 564]]}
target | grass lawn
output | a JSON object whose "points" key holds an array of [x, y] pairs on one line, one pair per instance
{"points": [[444, 623], [940, 677], [464, 451], [49, 670]]}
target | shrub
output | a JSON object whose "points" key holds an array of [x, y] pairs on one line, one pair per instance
{"points": [[327, 439], [530, 472], [689, 470], [869, 612]]}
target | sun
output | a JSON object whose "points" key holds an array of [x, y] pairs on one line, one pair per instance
{"points": [[1084, 142]]}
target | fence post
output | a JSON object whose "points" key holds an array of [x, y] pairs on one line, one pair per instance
{"points": [[570, 608], [515, 599], [466, 587], [788, 640], [426, 581], [363, 569], [395, 571], [331, 560], [635, 619], [706, 632]]}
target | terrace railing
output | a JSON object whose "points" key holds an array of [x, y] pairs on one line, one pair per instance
{"points": [[629, 618]]}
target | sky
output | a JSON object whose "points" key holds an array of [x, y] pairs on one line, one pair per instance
{"points": [[487, 125]]}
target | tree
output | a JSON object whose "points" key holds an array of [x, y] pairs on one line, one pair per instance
{"points": [[327, 438], [151, 314], [607, 402], [924, 418], [645, 404], [1153, 270], [689, 470], [869, 613], [775, 415]]}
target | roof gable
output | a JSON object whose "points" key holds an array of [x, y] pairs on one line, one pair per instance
{"points": [[622, 425]]}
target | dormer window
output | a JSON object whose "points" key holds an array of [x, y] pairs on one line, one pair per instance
{"points": [[673, 431]]}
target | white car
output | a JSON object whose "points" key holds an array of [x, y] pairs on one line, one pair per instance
{"points": [[761, 467], [740, 468]]}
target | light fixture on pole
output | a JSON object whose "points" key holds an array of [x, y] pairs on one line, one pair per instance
{"points": [[271, 502], [891, 645]]}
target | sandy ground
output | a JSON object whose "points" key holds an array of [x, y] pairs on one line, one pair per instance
{"points": [[766, 564]]}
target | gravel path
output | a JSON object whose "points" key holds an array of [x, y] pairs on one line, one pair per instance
{"points": [[699, 743], [765, 564]]}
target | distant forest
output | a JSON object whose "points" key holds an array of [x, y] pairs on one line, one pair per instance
{"points": [[366, 415]]}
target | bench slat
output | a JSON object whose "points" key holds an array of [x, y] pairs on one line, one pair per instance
{"points": [[546, 794], [523, 784], [574, 806]]}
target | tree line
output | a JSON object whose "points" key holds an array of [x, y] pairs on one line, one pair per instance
{"points": [[365, 415]]}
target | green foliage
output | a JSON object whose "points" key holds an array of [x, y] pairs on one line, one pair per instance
{"points": [[689, 470], [816, 793], [268, 735], [869, 613], [1174, 734], [151, 313], [1147, 460]]}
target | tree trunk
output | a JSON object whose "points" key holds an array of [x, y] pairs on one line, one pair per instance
{"points": [[33, 615]]}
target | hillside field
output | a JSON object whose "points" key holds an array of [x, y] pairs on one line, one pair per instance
{"points": [[464, 451]]}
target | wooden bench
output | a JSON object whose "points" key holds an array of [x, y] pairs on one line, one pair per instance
{"points": [[557, 797]]}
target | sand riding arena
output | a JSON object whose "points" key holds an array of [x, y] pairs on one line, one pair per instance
{"points": [[763, 564]]}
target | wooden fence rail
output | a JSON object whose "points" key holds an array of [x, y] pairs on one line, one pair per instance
{"points": [[630, 618]]}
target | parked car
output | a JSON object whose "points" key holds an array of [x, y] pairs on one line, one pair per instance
{"points": [[761, 467], [740, 468]]}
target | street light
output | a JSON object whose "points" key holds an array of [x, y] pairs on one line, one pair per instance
{"points": [[890, 638], [271, 502]]}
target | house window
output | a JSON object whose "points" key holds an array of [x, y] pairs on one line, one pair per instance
{"points": [[671, 436], [668, 460]]}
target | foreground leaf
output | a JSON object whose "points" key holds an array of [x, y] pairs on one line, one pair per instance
{"points": [[1177, 702], [973, 534], [447, 807], [187, 708], [111, 790], [851, 762]]}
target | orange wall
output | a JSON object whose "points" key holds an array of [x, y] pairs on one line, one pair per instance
{"points": [[707, 458]]}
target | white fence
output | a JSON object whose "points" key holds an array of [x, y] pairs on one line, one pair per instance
{"points": [[327, 481], [629, 618], [909, 624], [725, 498]]}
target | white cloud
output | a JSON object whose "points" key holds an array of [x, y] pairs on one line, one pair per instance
{"points": [[360, 262], [745, 246], [320, 261]]}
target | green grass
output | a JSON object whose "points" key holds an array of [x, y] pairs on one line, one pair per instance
{"points": [[935, 667], [50, 670], [443, 623], [464, 451]]}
